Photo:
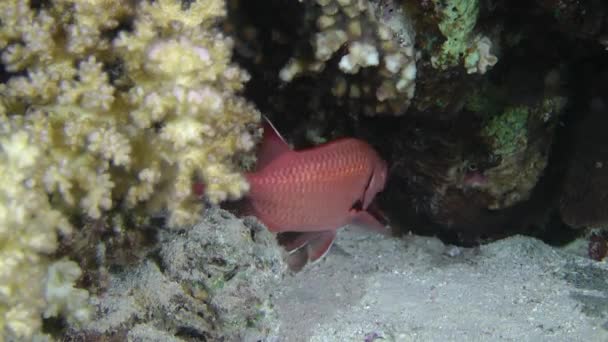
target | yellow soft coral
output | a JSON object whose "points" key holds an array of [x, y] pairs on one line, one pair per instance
{"points": [[108, 105]]}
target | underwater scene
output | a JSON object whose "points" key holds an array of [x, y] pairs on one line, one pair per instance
{"points": [[303, 170]]}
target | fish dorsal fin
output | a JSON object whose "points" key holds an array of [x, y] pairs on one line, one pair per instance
{"points": [[272, 146]]}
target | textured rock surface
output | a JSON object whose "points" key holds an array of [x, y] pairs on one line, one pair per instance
{"points": [[210, 282]]}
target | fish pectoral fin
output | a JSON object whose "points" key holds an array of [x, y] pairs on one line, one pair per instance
{"points": [[272, 146], [363, 218], [312, 246]]}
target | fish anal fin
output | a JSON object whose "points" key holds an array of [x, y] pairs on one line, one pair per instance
{"points": [[297, 260], [273, 145], [295, 240], [365, 219], [308, 247], [318, 247]]}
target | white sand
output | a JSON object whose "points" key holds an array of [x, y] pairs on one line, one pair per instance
{"points": [[417, 289]]}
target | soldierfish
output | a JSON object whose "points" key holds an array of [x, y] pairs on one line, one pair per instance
{"points": [[314, 191]]}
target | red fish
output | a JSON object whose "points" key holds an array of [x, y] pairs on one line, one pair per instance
{"points": [[314, 191]]}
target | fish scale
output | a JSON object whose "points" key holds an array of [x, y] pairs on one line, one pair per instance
{"points": [[307, 195], [312, 190]]}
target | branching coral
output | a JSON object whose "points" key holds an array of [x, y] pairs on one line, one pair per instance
{"points": [[378, 38], [108, 105]]}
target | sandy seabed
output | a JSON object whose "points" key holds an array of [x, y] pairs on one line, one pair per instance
{"points": [[376, 288]]}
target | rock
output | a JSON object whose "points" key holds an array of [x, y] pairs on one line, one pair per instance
{"points": [[210, 282]]}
